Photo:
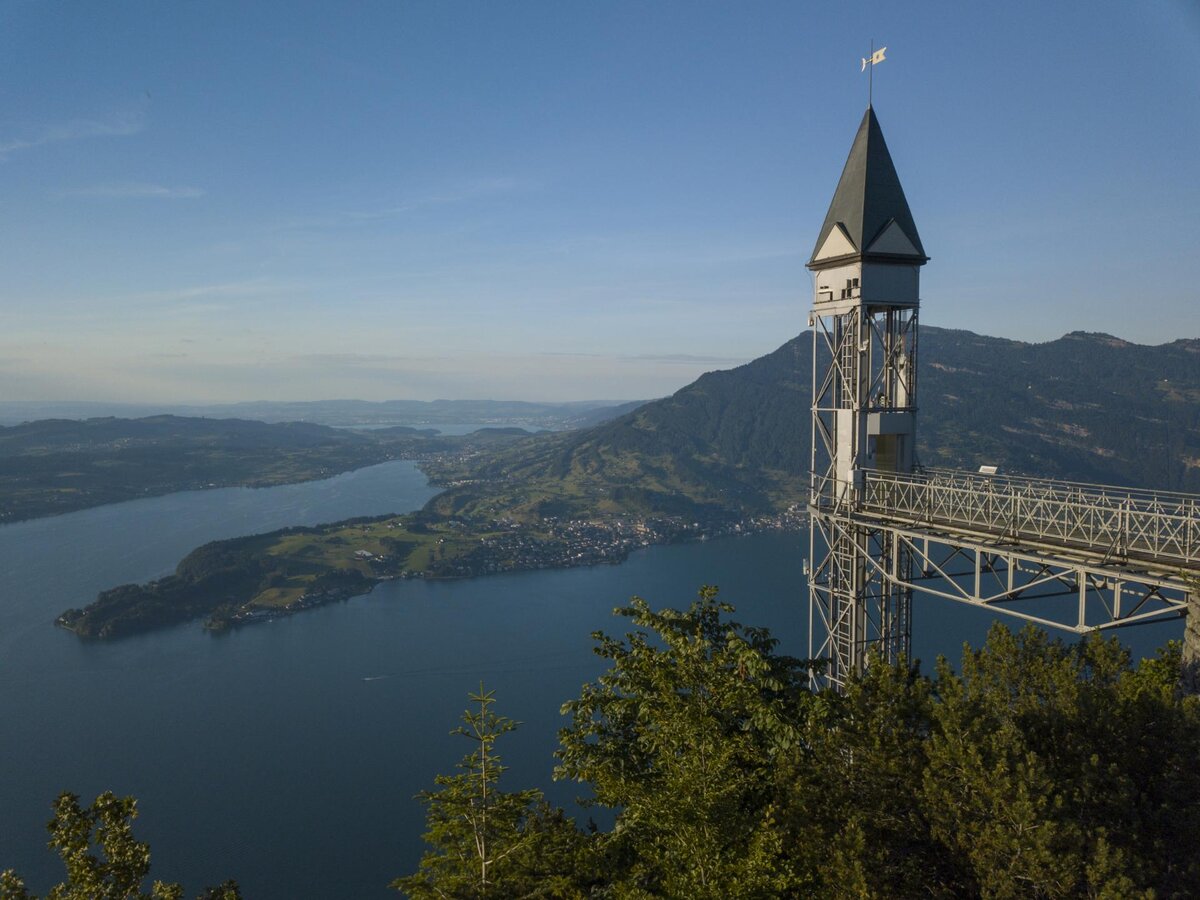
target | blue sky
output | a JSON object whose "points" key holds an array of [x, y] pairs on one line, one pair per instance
{"points": [[560, 200]]}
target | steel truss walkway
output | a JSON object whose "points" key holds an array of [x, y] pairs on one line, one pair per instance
{"points": [[1067, 555]]}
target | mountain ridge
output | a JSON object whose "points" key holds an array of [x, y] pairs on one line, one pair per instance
{"points": [[1084, 407]]}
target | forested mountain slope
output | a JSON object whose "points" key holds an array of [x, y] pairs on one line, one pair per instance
{"points": [[1087, 407]]}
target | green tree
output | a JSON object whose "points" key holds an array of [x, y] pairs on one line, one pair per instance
{"points": [[1055, 770], [103, 859], [1041, 769], [487, 843], [855, 816], [680, 737]]}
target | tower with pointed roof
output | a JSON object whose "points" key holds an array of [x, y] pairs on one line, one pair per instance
{"points": [[866, 285]]}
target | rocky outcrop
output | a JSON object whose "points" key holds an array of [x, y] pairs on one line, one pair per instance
{"points": [[1189, 675]]}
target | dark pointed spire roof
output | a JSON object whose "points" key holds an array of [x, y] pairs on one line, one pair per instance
{"points": [[869, 217]]}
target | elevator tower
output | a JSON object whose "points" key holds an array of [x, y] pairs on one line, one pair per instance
{"points": [[866, 274]]}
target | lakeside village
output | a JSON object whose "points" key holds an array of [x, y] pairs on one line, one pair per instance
{"points": [[513, 546], [555, 544]]}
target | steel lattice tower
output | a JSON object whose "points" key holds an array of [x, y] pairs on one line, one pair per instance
{"points": [[1061, 554], [866, 267]]}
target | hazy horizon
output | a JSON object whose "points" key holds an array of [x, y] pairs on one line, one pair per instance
{"points": [[596, 402]]}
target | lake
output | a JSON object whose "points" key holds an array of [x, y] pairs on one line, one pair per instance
{"points": [[287, 755]]}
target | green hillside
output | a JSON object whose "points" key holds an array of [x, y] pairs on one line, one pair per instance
{"points": [[1085, 407]]}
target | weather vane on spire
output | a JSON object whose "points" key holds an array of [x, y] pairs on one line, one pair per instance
{"points": [[875, 58]]}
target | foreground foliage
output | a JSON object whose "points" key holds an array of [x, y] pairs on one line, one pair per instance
{"points": [[103, 859], [682, 735], [485, 842], [1041, 769]]}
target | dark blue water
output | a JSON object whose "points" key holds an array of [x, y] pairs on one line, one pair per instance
{"points": [[287, 755]]}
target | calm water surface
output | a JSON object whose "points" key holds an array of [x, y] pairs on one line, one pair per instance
{"points": [[287, 755]]}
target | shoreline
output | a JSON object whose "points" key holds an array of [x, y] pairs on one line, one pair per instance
{"points": [[270, 615], [476, 550], [202, 487]]}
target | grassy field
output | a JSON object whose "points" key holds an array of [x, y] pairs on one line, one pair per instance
{"points": [[386, 548]]}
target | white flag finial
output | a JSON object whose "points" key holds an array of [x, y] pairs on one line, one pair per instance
{"points": [[873, 60]]}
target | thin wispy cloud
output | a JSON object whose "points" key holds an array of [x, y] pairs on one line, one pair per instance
{"points": [[119, 124], [689, 359], [368, 360], [681, 359], [134, 190], [253, 287], [464, 192]]}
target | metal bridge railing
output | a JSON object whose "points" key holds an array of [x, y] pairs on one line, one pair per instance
{"points": [[1114, 524]]}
